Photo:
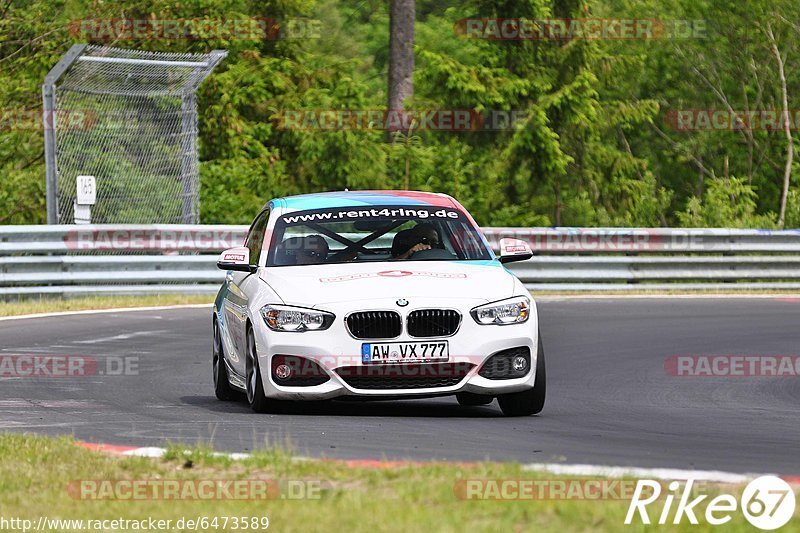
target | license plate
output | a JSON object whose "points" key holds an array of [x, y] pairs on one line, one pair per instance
{"points": [[404, 352]]}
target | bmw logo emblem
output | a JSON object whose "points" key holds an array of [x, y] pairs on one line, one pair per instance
{"points": [[402, 302]]}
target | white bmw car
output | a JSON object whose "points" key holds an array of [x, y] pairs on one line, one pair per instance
{"points": [[375, 295]]}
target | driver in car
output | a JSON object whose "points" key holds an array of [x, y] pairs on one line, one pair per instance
{"points": [[428, 235], [313, 251], [409, 241]]}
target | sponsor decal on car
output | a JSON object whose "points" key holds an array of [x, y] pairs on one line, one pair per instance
{"points": [[394, 274], [515, 249], [373, 213]]}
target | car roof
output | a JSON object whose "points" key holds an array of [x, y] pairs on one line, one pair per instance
{"points": [[364, 198]]}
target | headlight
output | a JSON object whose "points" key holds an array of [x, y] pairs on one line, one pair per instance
{"points": [[287, 318], [512, 311]]}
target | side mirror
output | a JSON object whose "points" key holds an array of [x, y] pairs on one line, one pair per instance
{"points": [[514, 250], [237, 259]]}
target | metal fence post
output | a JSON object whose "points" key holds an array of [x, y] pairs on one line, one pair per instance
{"points": [[138, 135], [189, 157], [48, 100]]}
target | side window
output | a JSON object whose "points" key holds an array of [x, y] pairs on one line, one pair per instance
{"points": [[255, 237]]}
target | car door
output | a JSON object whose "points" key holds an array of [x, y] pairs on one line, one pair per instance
{"points": [[240, 288]]}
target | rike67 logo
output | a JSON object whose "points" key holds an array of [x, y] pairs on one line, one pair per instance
{"points": [[767, 502]]}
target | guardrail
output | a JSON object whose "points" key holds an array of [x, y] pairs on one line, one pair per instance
{"points": [[120, 259]]}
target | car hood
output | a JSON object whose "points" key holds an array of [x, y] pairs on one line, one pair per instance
{"points": [[311, 285]]}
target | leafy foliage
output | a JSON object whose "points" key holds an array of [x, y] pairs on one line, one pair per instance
{"points": [[593, 143], [727, 203]]}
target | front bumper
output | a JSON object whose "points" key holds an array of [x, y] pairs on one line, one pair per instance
{"points": [[334, 349]]}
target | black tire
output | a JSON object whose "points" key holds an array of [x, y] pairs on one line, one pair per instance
{"points": [[255, 389], [222, 387], [470, 399], [531, 401]]}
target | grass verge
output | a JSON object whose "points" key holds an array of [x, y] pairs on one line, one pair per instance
{"points": [[53, 305], [38, 476], [700, 293]]}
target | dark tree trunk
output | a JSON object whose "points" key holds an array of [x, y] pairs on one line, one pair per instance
{"points": [[401, 53]]}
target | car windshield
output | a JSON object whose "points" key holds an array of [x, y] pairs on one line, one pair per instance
{"points": [[381, 233]]}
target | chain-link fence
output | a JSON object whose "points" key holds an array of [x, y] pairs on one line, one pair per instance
{"points": [[128, 118]]}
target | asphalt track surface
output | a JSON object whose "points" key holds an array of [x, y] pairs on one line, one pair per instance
{"points": [[610, 399]]}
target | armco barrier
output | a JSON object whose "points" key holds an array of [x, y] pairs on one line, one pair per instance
{"points": [[120, 259]]}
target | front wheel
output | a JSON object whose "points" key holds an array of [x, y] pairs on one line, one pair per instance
{"points": [[531, 401], [255, 388], [222, 387]]}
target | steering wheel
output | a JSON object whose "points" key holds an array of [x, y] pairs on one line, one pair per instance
{"points": [[432, 254]]}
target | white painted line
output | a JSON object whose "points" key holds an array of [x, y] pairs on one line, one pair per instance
{"points": [[25, 350], [114, 310], [152, 452], [155, 453], [121, 337], [554, 298], [715, 476], [236, 456]]}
